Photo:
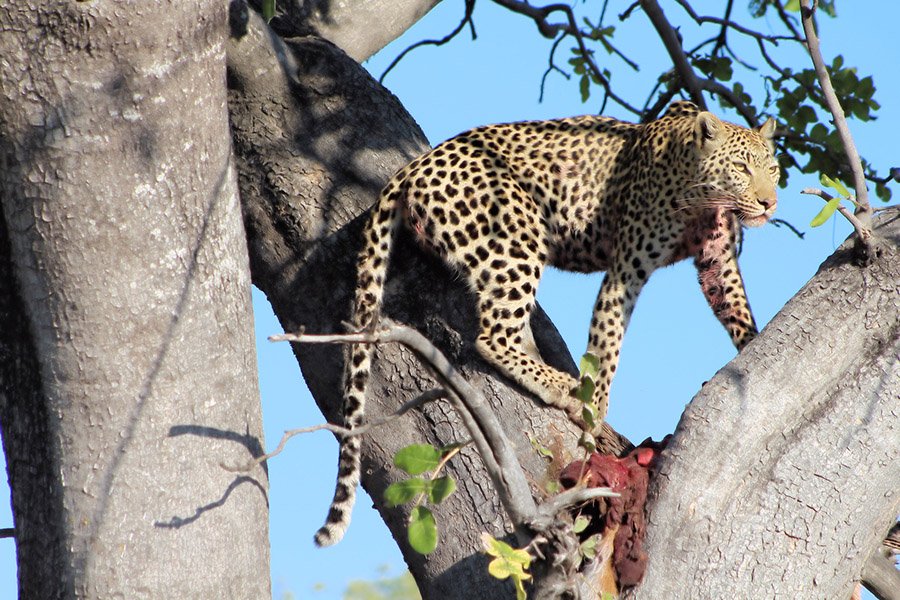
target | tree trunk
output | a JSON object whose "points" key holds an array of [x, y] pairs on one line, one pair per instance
{"points": [[127, 372], [783, 474]]}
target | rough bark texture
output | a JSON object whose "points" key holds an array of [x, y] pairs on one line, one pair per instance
{"points": [[783, 474], [359, 28], [315, 143], [127, 368]]}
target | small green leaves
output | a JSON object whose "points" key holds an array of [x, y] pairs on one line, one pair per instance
{"points": [[826, 212], [417, 458], [440, 488], [589, 365], [833, 204], [792, 5], [268, 9], [834, 184], [588, 547], [422, 533], [585, 389], [581, 524], [508, 562], [401, 492], [541, 449], [589, 368]]}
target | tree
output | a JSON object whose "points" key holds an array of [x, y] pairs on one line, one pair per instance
{"points": [[314, 139]]}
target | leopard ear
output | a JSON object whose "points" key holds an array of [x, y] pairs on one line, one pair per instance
{"points": [[767, 129], [709, 132]]}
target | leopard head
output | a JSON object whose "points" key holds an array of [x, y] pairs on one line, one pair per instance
{"points": [[737, 168]]}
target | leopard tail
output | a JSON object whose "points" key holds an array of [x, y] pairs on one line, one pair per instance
{"points": [[378, 237]]}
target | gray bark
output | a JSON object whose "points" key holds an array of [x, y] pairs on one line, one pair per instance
{"points": [[784, 472], [127, 371], [314, 149], [359, 28]]}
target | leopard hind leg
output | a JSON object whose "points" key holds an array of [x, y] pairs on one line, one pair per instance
{"points": [[505, 339]]}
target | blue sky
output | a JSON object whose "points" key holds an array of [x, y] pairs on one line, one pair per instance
{"points": [[673, 343]]}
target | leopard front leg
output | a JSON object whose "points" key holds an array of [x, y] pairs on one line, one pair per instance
{"points": [[615, 303], [722, 285]]}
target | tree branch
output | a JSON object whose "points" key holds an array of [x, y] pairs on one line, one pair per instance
{"points": [[672, 43], [466, 20], [880, 575], [695, 85], [863, 208], [540, 14], [767, 437], [531, 521]]}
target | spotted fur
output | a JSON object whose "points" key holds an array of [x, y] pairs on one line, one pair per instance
{"points": [[585, 194]]}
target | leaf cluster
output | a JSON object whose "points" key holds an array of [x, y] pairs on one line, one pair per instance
{"points": [[415, 460]]}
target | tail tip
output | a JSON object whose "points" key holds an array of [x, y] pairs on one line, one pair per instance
{"points": [[328, 536]]}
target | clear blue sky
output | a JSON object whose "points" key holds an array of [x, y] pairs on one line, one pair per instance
{"points": [[673, 344]]}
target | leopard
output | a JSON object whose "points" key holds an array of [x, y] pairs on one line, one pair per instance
{"points": [[500, 203]]}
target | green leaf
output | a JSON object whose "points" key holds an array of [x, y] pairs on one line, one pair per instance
{"points": [[268, 9], [792, 5], [826, 212], [401, 492], [581, 524], [589, 547], [585, 87], [585, 390], [422, 532], [588, 442], [417, 458], [589, 365], [520, 589], [541, 449], [440, 488], [834, 184], [508, 561]]}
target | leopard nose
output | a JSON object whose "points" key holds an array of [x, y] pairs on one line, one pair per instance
{"points": [[767, 202]]}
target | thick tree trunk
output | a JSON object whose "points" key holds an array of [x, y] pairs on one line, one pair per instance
{"points": [[127, 371], [316, 138], [783, 475]]}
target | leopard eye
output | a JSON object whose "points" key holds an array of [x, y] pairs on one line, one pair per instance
{"points": [[773, 169], [743, 166]]}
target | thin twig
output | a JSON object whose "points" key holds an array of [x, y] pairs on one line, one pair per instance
{"points": [[424, 398], [467, 19], [569, 498], [489, 438], [494, 447], [727, 23], [780, 222], [540, 14]]}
